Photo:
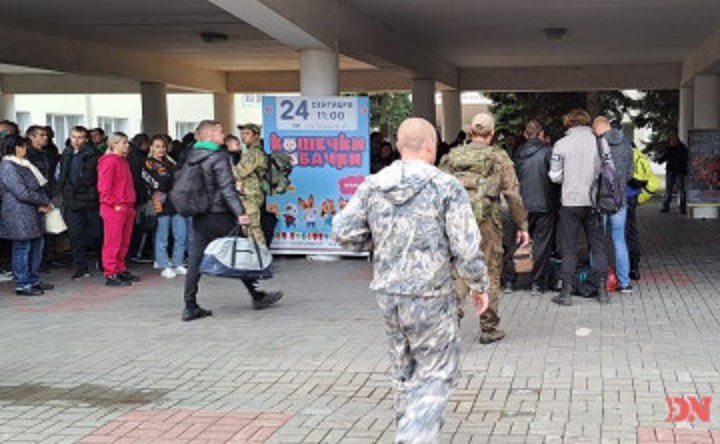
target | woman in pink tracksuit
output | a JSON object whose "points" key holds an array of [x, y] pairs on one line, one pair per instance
{"points": [[117, 209]]}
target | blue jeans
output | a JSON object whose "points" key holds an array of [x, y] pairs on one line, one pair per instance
{"points": [[617, 233], [178, 224], [671, 179], [26, 261]]}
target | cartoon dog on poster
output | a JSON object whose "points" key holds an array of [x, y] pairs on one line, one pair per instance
{"points": [[290, 215]]}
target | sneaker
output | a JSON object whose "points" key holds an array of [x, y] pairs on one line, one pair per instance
{"points": [[508, 288], [114, 281], [536, 289], [181, 271], [267, 300], [129, 277], [196, 313], [625, 290], [79, 274], [28, 291], [488, 337], [664, 210], [167, 273], [43, 286]]}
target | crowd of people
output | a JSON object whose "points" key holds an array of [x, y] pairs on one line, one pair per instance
{"points": [[433, 244], [113, 193]]}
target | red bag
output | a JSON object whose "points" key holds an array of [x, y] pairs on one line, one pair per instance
{"points": [[611, 280]]}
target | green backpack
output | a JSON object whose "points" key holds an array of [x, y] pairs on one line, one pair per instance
{"points": [[476, 170], [277, 176]]}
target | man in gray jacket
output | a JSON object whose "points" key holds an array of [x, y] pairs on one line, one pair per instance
{"points": [[575, 164], [419, 223]]}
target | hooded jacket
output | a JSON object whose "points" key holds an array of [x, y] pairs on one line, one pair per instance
{"points": [[532, 163], [219, 180], [419, 223], [622, 156]]}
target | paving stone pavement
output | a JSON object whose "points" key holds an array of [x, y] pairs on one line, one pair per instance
{"points": [[88, 363]]}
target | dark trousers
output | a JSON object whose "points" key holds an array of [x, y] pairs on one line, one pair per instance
{"points": [[672, 179], [542, 232], [85, 230], [572, 220], [206, 228], [632, 235]]}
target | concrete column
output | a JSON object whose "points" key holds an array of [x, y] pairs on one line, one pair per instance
{"points": [[423, 99], [154, 108], [319, 72], [452, 115], [7, 106], [224, 106], [706, 102], [685, 118]]}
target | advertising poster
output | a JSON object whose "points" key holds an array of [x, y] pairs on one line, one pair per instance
{"points": [[703, 181], [327, 138]]}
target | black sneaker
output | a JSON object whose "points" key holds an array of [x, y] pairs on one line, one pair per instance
{"points": [[29, 291], [267, 300], [79, 274], [43, 286], [508, 288], [196, 313], [625, 290], [114, 281], [127, 276]]}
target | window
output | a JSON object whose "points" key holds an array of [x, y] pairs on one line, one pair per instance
{"points": [[113, 124], [251, 99], [23, 121], [182, 128], [62, 123]]}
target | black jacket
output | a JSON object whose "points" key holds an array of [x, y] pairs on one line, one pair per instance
{"points": [[136, 158], [41, 160], [532, 163], [219, 180], [677, 159], [83, 194]]}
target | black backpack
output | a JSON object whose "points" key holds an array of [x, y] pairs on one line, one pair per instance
{"points": [[189, 195], [609, 198]]}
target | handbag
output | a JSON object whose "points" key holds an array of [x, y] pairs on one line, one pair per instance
{"points": [[236, 256], [523, 259], [54, 222]]}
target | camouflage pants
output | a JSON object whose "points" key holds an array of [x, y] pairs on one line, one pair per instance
{"points": [[424, 349], [252, 209], [492, 248]]}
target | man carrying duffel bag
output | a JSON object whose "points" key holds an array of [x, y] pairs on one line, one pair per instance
{"points": [[214, 216]]}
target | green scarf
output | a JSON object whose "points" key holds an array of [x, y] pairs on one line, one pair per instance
{"points": [[205, 145]]}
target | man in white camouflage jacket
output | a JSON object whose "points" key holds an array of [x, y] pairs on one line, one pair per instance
{"points": [[420, 226]]}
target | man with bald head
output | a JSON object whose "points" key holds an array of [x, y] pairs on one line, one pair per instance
{"points": [[418, 222]]}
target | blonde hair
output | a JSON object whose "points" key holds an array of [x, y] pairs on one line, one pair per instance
{"points": [[161, 138], [114, 139]]}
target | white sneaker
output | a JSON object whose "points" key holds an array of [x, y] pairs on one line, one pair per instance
{"points": [[182, 271], [168, 273]]}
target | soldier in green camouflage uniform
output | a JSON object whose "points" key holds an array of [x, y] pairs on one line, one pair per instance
{"points": [[487, 173], [419, 223], [248, 172]]}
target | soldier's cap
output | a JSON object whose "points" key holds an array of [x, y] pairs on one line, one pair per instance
{"points": [[250, 126], [482, 123]]}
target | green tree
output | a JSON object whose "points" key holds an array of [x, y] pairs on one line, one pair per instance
{"points": [[387, 111], [659, 112]]}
